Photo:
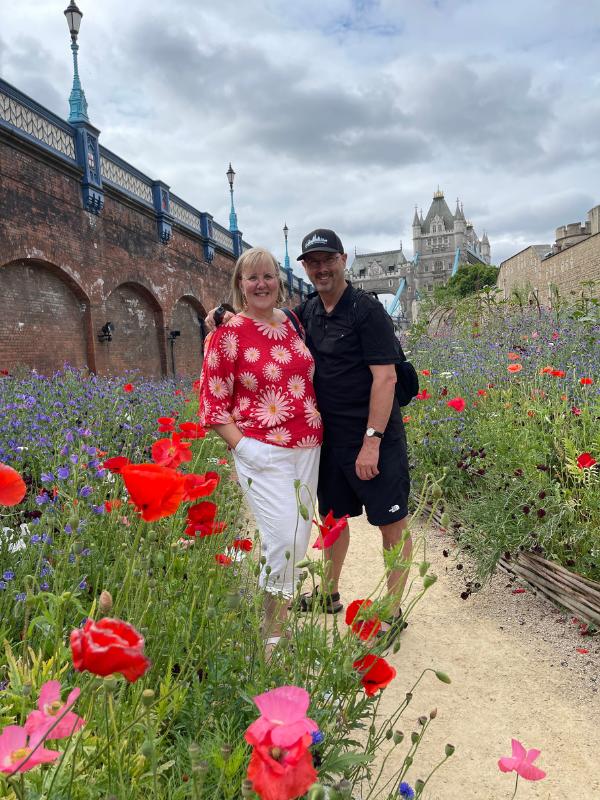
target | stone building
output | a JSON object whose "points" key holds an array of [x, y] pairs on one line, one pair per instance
{"points": [[441, 241], [572, 260]]}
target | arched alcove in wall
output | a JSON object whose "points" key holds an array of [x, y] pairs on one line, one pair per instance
{"points": [[137, 341], [44, 318], [185, 350]]}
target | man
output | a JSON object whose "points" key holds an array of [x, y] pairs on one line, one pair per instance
{"points": [[364, 462], [363, 459]]}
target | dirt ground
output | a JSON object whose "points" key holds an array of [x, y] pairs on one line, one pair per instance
{"points": [[515, 670]]}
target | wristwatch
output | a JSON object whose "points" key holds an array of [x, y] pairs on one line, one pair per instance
{"points": [[372, 432]]}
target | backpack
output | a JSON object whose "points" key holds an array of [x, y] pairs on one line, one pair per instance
{"points": [[407, 380]]}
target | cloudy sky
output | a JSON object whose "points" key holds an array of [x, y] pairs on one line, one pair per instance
{"points": [[338, 113]]}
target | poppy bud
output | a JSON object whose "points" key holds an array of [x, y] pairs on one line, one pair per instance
{"points": [[316, 792], [414, 737], [304, 563], [389, 733], [288, 555], [297, 484], [151, 536], [441, 676], [398, 737], [423, 567], [396, 646], [445, 520], [105, 603], [449, 750], [408, 761], [226, 751], [268, 570], [247, 790], [147, 748], [433, 713], [263, 560], [436, 491], [148, 697], [303, 511], [409, 697], [110, 684], [429, 580]]}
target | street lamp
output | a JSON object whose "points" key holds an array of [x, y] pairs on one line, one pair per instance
{"points": [[286, 261], [77, 101], [232, 215]]}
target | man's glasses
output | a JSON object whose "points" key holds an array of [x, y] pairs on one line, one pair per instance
{"points": [[321, 262]]}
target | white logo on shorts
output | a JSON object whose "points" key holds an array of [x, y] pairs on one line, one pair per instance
{"points": [[394, 508]]}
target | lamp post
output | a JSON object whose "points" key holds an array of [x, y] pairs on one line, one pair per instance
{"points": [[232, 215], [77, 101], [286, 261]]}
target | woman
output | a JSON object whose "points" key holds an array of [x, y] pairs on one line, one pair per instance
{"points": [[257, 394]]}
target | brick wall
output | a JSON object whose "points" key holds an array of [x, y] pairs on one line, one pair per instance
{"points": [[64, 273], [566, 270]]}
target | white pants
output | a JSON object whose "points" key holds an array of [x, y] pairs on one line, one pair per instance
{"points": [[272, 497]]}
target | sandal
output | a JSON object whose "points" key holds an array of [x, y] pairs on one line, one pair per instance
{"points": [[397, 624], [328, 603]]}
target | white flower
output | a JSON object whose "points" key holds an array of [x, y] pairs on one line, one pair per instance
{"points": [[272, 330], [272, 371], [229, 345], [281, 354], [273, 407], [301, 348], [311, 413], [446, 374], [249, 381], [235, 322], [296, 386], [252, 354], [212, 358], [218, 387], [243, 403], [279, 436], [308, 441]]}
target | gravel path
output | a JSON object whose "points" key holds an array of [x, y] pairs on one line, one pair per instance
{"points": [[515, 669]]}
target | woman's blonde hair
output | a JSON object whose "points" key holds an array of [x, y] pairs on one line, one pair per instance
{"points": [[250, 258]]}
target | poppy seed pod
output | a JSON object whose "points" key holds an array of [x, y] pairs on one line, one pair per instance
{"points": [[148, 697], [398, 737], [247, 790], [429, 580], [423, 567], [414, 737], [389, 733], [105, 603], [419, 785], [449, 750], [422, 720]]}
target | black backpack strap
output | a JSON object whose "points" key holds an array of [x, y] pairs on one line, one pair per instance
{"points": [[295, 322]]}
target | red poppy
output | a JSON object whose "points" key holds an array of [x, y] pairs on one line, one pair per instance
{"points": [[586, 381], [514, 367], [424, 395], [107, 646], [582, 650], [546, 370], [116, 464], [330, 531], [12, 486], [171, 452], [110, 505], [558, 373], [178, 392], [221, 558], [490, 385], [457, 403], [128, 387], [193, 430], [514, 356], [365, 628], [519, 591], [281, 773], [576, 411], [406, 418], [376, 673], [196, 486], [201, 520], [425, 372], [443, 392], [4, 372], [243, 544], [482, 392], [166, 424], [156, 491], [223, 461], [585, 461]]}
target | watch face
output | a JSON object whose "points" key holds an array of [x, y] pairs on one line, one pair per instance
{"points": [[370, 431]]}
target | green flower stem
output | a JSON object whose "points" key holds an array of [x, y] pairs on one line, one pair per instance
{"points": [[514, 794]]}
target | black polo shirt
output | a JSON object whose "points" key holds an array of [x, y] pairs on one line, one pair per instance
{"points": [[357, 333]]}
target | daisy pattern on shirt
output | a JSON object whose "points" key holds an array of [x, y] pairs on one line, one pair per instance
{"points": [[301, 348], [235, 322], [229, 345], [311, 413], [311, 372], [272, 330], [243, 403], [212, 358], [308, 441], [271, 371], [296, 386], [229, 381], [223, 417], [249, 381], [280, 435], [281, 354], [218, 387], [273, 407], [252, 354]]}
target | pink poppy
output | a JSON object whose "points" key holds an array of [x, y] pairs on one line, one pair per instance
{"points": [[17, 753], [283, 717], [53, 714], [521, 762]]}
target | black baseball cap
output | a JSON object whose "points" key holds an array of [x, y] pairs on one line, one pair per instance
{"points": [[321, 240]]}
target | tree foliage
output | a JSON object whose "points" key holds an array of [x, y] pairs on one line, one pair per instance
{"points": [[469, 279]]}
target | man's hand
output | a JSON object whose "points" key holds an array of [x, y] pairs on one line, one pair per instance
{"points": [[368, 458], [210, 322]]}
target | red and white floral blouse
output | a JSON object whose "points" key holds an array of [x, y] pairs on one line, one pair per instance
{"points": [[260, 376]]}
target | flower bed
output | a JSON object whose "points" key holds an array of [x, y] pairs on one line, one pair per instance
{"points": [[134, 662], [510, 413]]}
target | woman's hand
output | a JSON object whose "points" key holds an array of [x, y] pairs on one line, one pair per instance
{"points": [[211, 323]]}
